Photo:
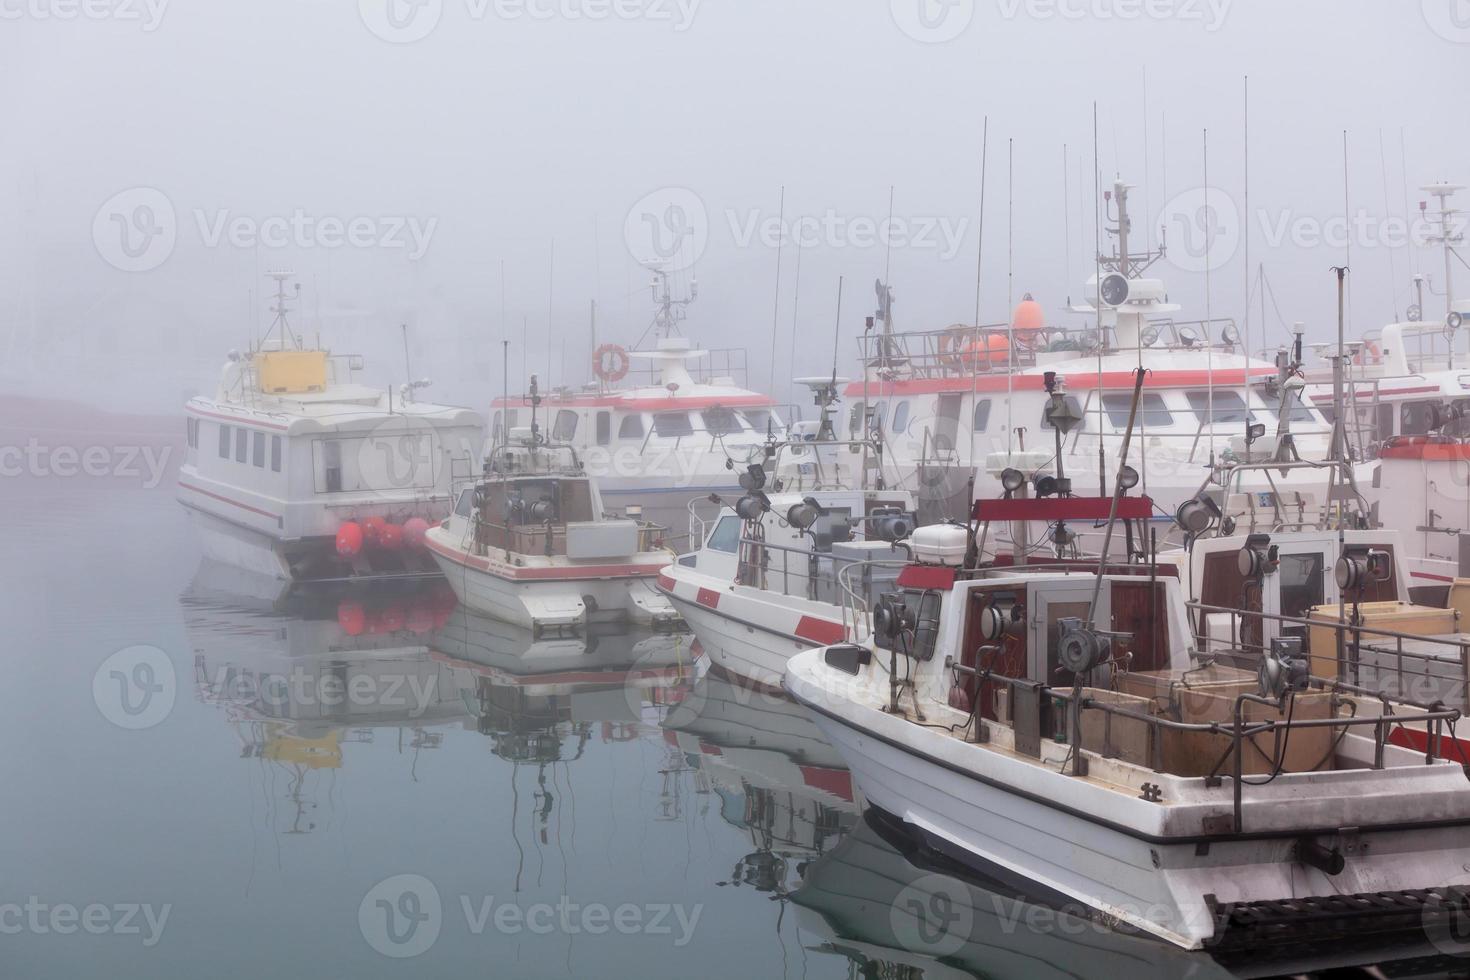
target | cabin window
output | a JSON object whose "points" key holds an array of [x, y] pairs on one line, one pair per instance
{"points": [[1227, 406], [257, 450], [672, 424], [565, 426], [604, 428], [901, 417], [720, 421], [982, 415], [726, 536], [466, 503], [1417, 418], [1301, 578], [877, 413], [631, 427], [1152, 412], [276, 454], [1295, 410], [332, 465], [759, 419], [241, 436], [191, 432], [224, 442], [512, 419]]}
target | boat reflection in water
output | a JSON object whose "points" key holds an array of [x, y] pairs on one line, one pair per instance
{"points": [[300, 674], [775, 778]]}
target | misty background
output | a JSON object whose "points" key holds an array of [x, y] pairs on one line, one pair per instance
{"points": [[527, 146]]}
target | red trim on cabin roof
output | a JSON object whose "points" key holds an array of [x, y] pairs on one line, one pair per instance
{"points": [[665, 404], [1441, 451], [1079, 380], [1063, 509], [926, 577], [239, 420]]}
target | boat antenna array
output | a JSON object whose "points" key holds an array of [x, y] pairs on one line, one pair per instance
{"points": [[289, 338]]}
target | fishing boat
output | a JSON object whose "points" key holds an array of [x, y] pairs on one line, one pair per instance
{"points": [[657, 427], [766, 580], [297, 470], [971, 401], [1060, 723], [529, 543]]}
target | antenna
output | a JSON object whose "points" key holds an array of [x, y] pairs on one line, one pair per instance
{"points": [[776, 301], [280, 309]]}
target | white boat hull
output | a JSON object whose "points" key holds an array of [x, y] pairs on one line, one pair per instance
{"points": [[239, 546]]}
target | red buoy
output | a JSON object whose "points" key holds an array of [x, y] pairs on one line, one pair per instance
{"points": [[413, 532], [390, 537], [391, 617], [349, 539], [371, 528], [351, 617], [420, 618]]}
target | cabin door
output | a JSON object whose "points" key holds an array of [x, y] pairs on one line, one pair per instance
{"points": [[1049, 606]]}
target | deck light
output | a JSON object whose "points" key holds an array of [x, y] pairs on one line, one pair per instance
{"points": [[803, 515], [751, 506], [1196, 514], [1127, 477], [1012, 479]]}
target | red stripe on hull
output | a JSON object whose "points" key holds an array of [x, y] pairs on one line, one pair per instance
{"points": [[254, 510], [709, 598], [822, 632]]}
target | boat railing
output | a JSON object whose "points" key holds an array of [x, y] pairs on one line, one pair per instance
{"points": [[808, 573], [713, 363], [962, 350], [1071, 704], [858, 598], [1432, 668]]}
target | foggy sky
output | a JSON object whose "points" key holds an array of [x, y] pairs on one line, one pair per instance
{"points": [[523, 138]]}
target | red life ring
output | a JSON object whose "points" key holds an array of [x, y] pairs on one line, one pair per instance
{"points": [[610, 363], [1368, 354]]}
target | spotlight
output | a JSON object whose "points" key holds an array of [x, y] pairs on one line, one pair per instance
{"points": [[1012, 479], [1360, 565], [1127, 477], [1196, 514], [1254, 431], [752, 506], [1453, 320], [803, 515], [1045, 486], [754, 478], [1257, 558]]}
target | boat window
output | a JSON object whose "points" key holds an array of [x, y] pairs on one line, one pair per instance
{"points": [[604, 428], [726, 536], [257, 450], [224, 442], [1075, 408], [901, 416], [631, 427], [759, 419], [512, 418], [982, 415], [672, 424], [276, 454], [191, 432], [878, 411], [565, 427], [1417, 418], [240, 438], [1152, 412], [332, 465], [1227, 406], [1302, 584], [466, 504], [1297, 412], [720, 421]]}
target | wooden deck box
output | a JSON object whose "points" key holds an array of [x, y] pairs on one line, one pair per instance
{"points": [[1400, 617], [1115, 737]]}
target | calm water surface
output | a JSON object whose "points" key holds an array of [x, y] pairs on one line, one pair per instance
{"points": [[205, 777]]}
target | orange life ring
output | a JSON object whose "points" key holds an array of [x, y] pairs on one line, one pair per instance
{"points": [[610, 363], [1368, 354]]}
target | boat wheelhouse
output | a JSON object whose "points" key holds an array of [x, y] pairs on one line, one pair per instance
{"points": [[529, 543], [295, 469], [969, 401], [1063, 724]]}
